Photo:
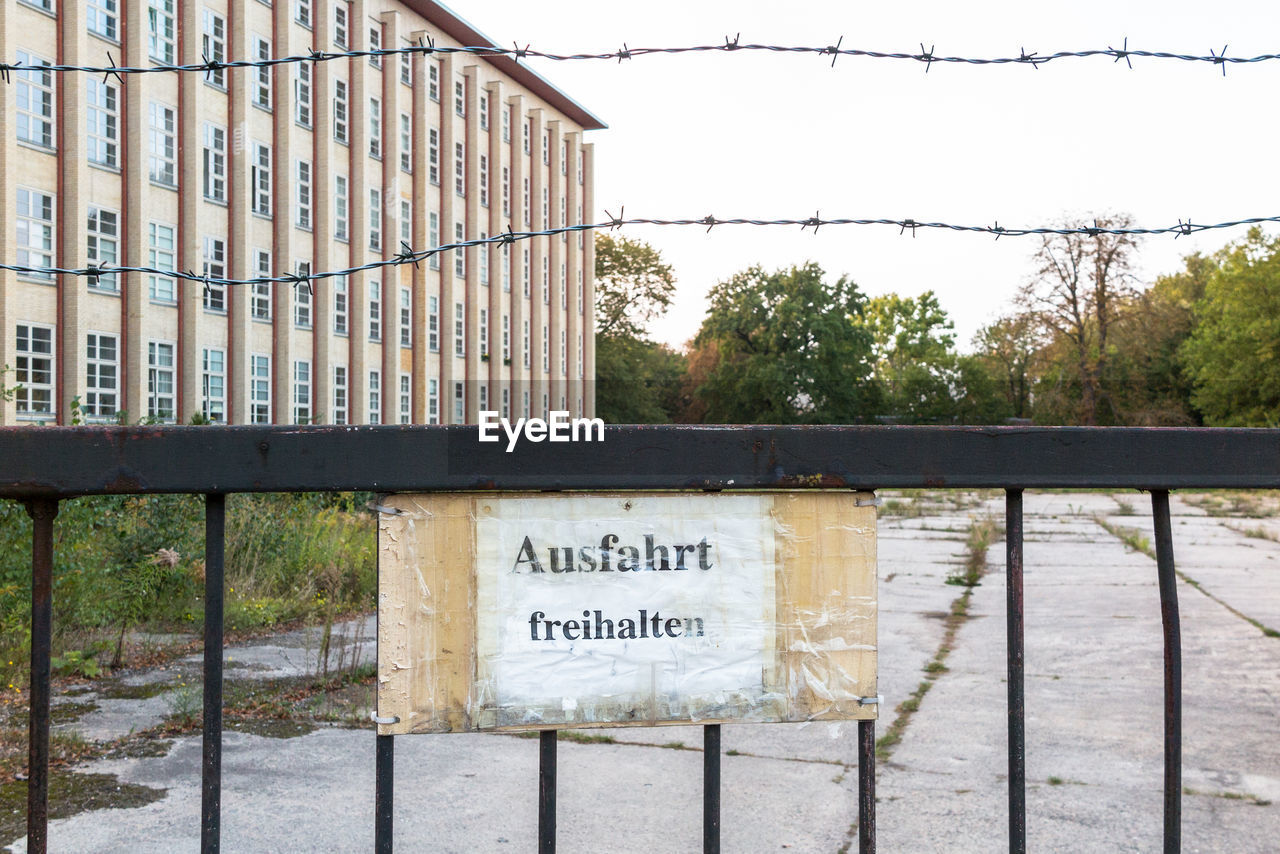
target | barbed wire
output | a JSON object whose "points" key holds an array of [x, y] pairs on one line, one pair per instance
{"points": [[926, 57], [408, 255]]}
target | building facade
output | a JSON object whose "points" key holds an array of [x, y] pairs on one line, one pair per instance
{"points": [[299, 167]]}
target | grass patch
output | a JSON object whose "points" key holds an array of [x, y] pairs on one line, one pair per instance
{"points": [[1133, 539], [982, 532], [1124, 507], [1229, 796], [901, 508], [579, 737], [1257, 533], [71, 793]]}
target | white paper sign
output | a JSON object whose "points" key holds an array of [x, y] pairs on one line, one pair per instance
{"points": [[589, 606]]}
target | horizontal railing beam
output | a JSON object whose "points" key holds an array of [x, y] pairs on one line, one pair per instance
{"points": [[120, 460]]}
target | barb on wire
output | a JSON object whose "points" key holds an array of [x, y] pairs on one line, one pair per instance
{"points": [[409, 255]]}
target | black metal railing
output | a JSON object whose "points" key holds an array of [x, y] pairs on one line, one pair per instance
{"points": [[44, 466]]}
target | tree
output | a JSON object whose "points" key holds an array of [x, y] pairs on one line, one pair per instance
{"points": [[633, 286], [1007, 347], [1083, 282], [915, 359], [788, 348]]}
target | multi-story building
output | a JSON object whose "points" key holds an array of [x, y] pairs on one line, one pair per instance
{"points": [[299, 167]]}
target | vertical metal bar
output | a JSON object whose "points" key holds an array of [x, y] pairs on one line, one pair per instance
{"points": [[867, 787], [547, 792], [384, 797], [711, 789], [42, 512], [215, 523], [1172, 672], [1013, 641]]}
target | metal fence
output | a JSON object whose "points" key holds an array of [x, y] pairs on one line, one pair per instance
{"points": [[42, 467]]}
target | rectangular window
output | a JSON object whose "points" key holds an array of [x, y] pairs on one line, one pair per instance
{"points": [[527, 211], [433, 238], [33, 374], [161, 254], [546, 280], [459, 254], [260, 293], [375, 310], [483, 251], [215, 163], [213, 43], [433, 80], [260, 179], [506, 339], [215, 267], [433, 324], [163, 145], [459, 403], [459, 332], [375, 219], [35, 231], [341, 15], [340, 305], [406, 65], [406, 142], [302, 12], [506, 403], [525, 276], [524, 346], [564, 157], [484, 334], [546, 350], [546, 208], [262, 74], [579, 360], [339, 394], [375, 397], [259, 389], [527, 132], [564, 354], [160, 31], [524, 402], [564, 235], [564, 289], [103, 233], [375, 43], [302, 191], [460, 98], [546, 148], [484, 110], [102, 17], [406, 222], [506, 191], [213, 385], [160, 381], [340, 111], [579, 306], [302, 95], [484, 398], [433, 156], [375, 128], [339, 207], [103, 123], [302, 391], [459, 169], [506, 124], [506, 267], [580, 222], [302, 298], [35, 101], [406, 399], [433, 402], [102, 376], [406, 317], [484, 181]]}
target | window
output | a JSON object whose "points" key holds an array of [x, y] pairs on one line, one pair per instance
{"points": [[375, 43], [102, 375], [302, 298], [579, 361], [302, 391], [339, 394], [213, 43], [375, 310], [459, 334], [433, 324], [160, 385], [260, 179], [302, 95], [375, 397], [405, 400], [46, 5], [433, 238], [546, 207], [161, 256], [406, 142], [215, 267], [406, 222], [260, 293], [506, 267], [506, 124], [484, 181], [160, 41], [506, 339], [484, 111], [546, 280], [459, 167], [341, 15], [213, 385], [524, 348], [215, 163], [340, 111], [564, 290], [35, 101], [528, 214], [484, 398], [459, 403], [579, 290], [102, 17], [302, 12], [563, 353], [460, 98], [483, 251], [526, 133], [525, 404], [580, 234], [35, 231], [433, 402], [406, 65], [459, 254], [546, 349], [339, 207], [375, 128], [103, 123], [506, 191], [103, 246], [433, 80], [406, 317], [163, 145], [375, 219], [484, 334], [259, 388], [262, 74], [579, 170], [340, 305], [34, 370], [564, 235], [524, 271], [302, 189], [564, 157], [433, 156], [506, 403], [546, 148]]}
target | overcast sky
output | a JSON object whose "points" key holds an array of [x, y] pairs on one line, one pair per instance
{"points": [[782, 136]]}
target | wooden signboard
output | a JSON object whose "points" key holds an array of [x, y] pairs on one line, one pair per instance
{"points": [[514, 611]]}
